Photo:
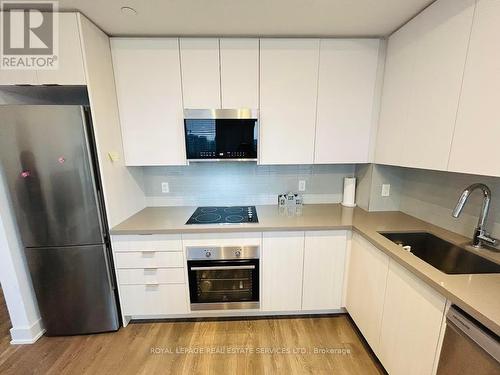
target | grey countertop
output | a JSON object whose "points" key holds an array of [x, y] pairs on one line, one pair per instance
{"points": [[476, 294]]}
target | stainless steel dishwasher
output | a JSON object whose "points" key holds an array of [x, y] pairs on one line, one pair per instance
{"points": [[468, 347]]}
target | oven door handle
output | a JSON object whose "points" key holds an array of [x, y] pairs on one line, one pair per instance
{"points": [[220, 268]]}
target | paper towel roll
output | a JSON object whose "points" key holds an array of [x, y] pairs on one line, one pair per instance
{"points": [[349, 192]]}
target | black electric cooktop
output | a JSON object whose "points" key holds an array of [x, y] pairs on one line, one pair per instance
{"points": [[224, 215]]}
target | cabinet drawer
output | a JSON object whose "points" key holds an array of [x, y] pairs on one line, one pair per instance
{"points": [[147, 243], [154, 300], [149, 259], [151, 276]]}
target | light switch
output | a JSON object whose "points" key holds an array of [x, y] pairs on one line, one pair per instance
{"points": [[302, 185], [386, 190], [165, 188]]}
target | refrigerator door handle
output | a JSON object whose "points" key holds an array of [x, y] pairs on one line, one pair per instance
{"points": [[94, 170], [109, 270]]}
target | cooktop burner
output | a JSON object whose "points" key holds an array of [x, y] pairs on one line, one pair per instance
{"points": [[224, 215]]}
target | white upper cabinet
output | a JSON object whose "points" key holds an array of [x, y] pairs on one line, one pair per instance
{"points": [[411, 324], [324, 264], [423, 76], [477, 131], [288, 93], [442, 50], [148, 85], [239, 69], [347, 78], [200, 73], [18, 77], [400, 58], [71, 70]]}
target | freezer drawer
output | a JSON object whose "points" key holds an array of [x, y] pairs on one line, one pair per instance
{"points": [[149, 259], [73, 288], [154, 299]]}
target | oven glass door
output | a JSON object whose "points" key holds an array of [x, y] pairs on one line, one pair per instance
{"points": [[221, 138], [224, 281]]}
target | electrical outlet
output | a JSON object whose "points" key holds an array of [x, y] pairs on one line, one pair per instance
{"points": [[302, 185], [165, 188], [386, 190]]}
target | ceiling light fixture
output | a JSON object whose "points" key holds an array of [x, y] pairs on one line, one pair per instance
{"points": [[128, 11]]}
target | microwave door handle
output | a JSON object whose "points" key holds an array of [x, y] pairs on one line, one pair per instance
{"points": [[221, 268]]}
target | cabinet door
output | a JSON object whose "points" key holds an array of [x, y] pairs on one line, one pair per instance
{"points": [[282, 265], [347, 77], [324, 263], [18, 77], [148, 85], [288, 93], [71, 70], [200, 73], [411, 324], [477, 131], [163, 299], [400, 59], [442, 48], [239, 66], [366, 282], [424, 68]]}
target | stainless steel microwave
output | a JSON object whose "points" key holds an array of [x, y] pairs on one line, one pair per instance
{"points": [[221, 134]]}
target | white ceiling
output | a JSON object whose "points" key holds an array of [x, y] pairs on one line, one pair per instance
{"points": [[249, 17]]}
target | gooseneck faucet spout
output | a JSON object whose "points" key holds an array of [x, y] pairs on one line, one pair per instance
{"points": [[480, 235]]}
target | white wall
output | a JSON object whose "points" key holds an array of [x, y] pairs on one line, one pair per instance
{"points": [[371, 177], [14, 277], [232, 183], [432, 195], [428, 195]]}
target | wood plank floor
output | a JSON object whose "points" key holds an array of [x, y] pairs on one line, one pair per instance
{"points": [[265, 346]]}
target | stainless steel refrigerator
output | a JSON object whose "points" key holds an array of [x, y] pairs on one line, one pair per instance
{"points": [[49, 164]]}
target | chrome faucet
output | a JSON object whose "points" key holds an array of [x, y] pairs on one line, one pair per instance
{"points": [[481, 237]]}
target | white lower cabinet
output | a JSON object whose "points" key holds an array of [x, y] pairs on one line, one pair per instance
{"points": [[303, 271], [398, 314], [366, 283], [411, 324], [324, 263], [151, 275], [158, 299], [282, 265]]}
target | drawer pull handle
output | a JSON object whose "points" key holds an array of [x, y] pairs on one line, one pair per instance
{"points": [[221, 268], [148, 254]]}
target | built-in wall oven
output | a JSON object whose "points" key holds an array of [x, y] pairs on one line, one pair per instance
{"points": [[223, 278]]}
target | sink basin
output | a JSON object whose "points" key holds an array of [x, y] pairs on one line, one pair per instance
{"points": [[443, 255]]}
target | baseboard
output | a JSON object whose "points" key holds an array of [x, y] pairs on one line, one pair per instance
{"points": [[27, 335], [235, 314]]}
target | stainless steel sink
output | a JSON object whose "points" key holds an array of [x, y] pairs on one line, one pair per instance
{"points": [[443, 255]]}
